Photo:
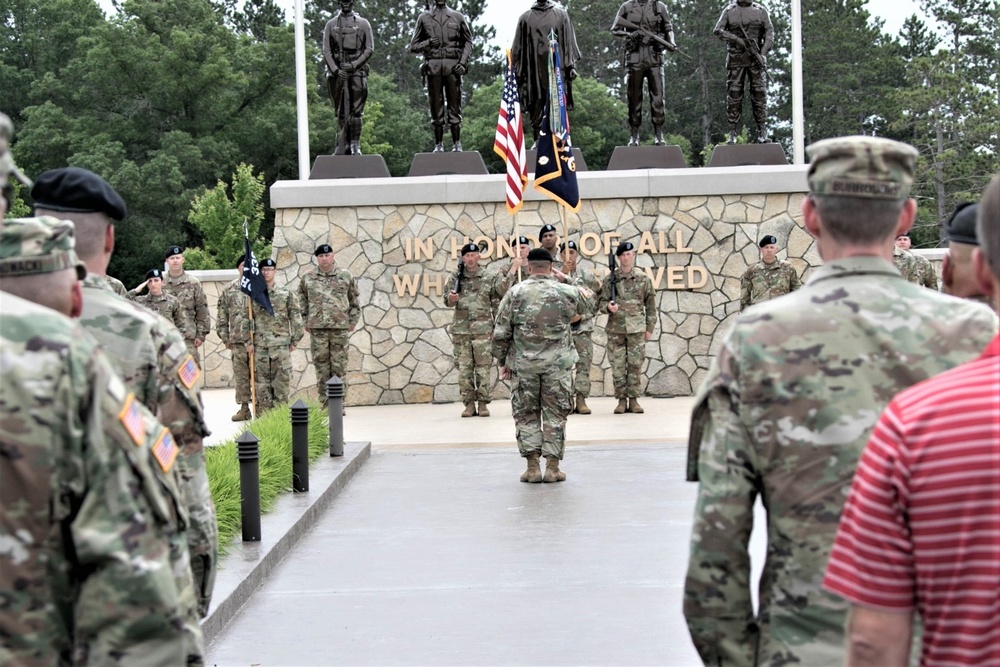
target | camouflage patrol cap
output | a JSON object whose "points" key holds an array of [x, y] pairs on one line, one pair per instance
{"points": [[30, 246], [961, 226], [860, 166]]}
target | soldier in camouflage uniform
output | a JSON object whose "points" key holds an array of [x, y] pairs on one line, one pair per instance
{"points": [[330, 310], [159, 301], [533, 332], [769, 278], [510, 272], [470, 331], [93, 560], [631, 320], [923, 274], [188, 290], [790, 401], [149, 351], [231, 310], [548, 239], [583, 331], [274, 340], [117, 286]]}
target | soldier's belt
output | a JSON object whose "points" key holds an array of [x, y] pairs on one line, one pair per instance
{"points": [[444, 53]]}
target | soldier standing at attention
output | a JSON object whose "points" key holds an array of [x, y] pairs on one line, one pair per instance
{"points": [[471, 330], [548, 238], [443, 37], [746, 29], [631, 320], [573, 274], [533, 333], [160, 302], [230, 311], [347, 45], [188, 290], [329, 300], [274, 340], [768, 278], [924, 272], [790, 401], [93, 571]]}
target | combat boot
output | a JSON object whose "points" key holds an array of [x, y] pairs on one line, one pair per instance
{"points": [[355, 148], [533, 475], [438, 148], [470, 409], [552, 471], [762, 135], [732, 137], [581, 405], [621, 407], [634, 139], [658, 136], [634, 407], [244, 414], [483, 410], [438, 139], [457, 147], [456, 138]]}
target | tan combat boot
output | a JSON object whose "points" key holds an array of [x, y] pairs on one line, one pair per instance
{"points": [[533, 474], [581, 405], [621, 407], [552, 472], [483, 410], [243, 415], [470, 409], [634, 407]]}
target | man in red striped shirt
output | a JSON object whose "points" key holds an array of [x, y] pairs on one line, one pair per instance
{"points": [[921, 527]]}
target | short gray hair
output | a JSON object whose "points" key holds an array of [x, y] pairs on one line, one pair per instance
{"points": [[988, 225]]}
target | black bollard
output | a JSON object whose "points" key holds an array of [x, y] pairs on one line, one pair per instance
{"points": [[335, 407], [300, 447], [248, 454]]}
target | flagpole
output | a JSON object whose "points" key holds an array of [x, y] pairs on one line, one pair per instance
{"points": [[565, 221], [517, 244], [253, 383]]}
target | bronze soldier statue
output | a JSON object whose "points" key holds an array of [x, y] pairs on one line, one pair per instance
{"points": [[530, 55], [746, 29], [647, 31], [443, 37], [347, 46]]}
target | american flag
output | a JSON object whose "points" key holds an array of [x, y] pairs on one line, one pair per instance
{"points": [[509, 142]]}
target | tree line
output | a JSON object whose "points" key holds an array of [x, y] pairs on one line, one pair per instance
{"points": [[165, 98]]}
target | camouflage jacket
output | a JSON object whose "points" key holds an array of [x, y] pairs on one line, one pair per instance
{"points": [[117, 286], [588, 280], [928, 277], [168, 307], [907, 265], [762, 282], [785, 412], [329, 300], [229, 312], [533, 325], [194, 303], [502, 280], [92, 553], [282, 329], [636, 301], [473, 313]]}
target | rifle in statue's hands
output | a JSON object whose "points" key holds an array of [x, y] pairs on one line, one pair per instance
{"points": [[458, 277], [668, 45], [754, 50], [614, 278]]}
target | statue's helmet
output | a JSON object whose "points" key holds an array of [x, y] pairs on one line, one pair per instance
{"points": [[744, 3]]}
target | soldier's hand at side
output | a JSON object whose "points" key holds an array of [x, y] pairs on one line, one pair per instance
{"points": [[648, 335], [571, 73], [505, 373], [351, 329], [198, 342], [612, 307], [452, 297], [229, 346], [291, 348], [459, 70]]}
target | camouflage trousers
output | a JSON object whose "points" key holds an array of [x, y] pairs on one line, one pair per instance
{"points": [[272, 376], [202, 530], [474, 361], [627, 352], [583, 341], [241, 372], [329, 356], [540, 403], [194, 351]]}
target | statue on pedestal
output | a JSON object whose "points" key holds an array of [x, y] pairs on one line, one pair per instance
{"points": [[347, 46], [746, 28], [442, 35]]}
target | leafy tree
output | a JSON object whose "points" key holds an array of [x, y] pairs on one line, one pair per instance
{"points": [[218, 214], [16, 206]]}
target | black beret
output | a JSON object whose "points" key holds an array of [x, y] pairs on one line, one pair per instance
{"points": [[539, 255], [240, 260], [523, 240], [323, 249], [470, 247], [569, 244], [268, 262], [76, 190], [624, 247], [545, 230], [768, 239], [154, 273], [173, 250], [961, 226], [906, 234]]}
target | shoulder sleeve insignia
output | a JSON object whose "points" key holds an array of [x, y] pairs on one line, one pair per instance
{"points": [[165, 450], [189, 372], [132, 420]]}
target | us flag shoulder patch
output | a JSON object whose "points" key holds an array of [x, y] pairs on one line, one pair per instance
{"points": [[165, 450], [189, 372], [132, 420]]}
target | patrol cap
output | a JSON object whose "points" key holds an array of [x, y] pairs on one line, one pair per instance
{"points": [[860, 166], [30, 246], [76, 190], [569, 244], [268, 263], [173, 250], [546, 228], [768, 239], [961, 226], [624, 247], [323, 249], [154, 273], [523, 240], [539, 255], [470, 247]]}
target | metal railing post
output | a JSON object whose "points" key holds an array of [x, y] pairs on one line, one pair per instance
{"points": [[248, 454], [300, 446], [335, 406]]}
